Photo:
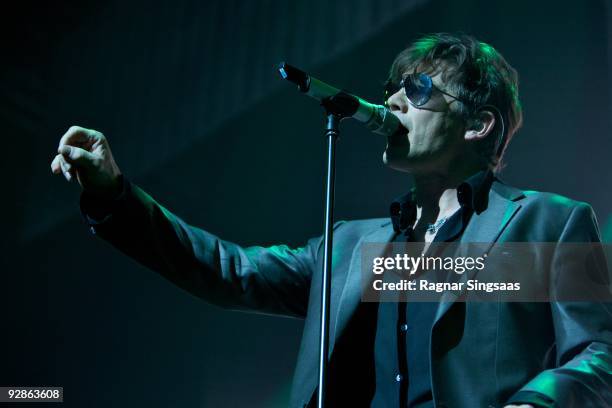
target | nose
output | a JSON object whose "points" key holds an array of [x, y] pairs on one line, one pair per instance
{"points": [[398, 102]]}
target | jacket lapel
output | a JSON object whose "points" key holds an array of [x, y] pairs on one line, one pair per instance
{"points": [[485, 227], [351, 293]]}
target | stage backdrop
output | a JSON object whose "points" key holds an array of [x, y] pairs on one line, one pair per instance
{"points": [[188, 94]]}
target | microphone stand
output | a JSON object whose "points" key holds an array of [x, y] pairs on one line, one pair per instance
{"points": [[338, 106], [332, 133]]}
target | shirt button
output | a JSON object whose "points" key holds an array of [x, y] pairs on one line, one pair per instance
{"points": [[398, 378], [404, 327]]}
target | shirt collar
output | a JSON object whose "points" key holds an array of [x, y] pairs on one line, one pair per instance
{"points": [[472, 194]]}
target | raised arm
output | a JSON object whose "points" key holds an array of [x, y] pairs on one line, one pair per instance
{"points": [[272, 280]]}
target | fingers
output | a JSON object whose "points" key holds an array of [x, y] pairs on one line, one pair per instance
{"points": [[80, 137], [66, 168], [72, 155], [56, 165], [74, 151], [59, 165]]}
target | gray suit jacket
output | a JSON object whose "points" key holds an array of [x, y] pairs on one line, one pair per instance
{"points": [[482, 354]]}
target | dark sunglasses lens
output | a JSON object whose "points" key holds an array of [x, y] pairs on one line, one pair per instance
{"points": [[418, 88]]}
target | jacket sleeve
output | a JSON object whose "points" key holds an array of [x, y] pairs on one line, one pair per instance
{"points": [[583, 329], [273, 280]]}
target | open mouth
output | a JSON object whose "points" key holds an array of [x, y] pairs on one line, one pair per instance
{"points": [[399, 138]]}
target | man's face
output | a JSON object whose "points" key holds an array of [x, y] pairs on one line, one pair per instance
{"points": [[435, 133]]}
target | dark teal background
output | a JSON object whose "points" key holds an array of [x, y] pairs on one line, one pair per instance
{"points": [[189, 97]]}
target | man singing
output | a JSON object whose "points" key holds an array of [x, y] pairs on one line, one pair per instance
{"points": [[458, 100]]}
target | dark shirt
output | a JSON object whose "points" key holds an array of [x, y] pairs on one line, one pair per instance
{"points": [[403, 329]]}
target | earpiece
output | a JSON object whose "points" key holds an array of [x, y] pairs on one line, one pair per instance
{"points": [[499, 116]]}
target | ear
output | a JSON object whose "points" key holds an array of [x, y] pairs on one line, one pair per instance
{"points": [[481, 126]]}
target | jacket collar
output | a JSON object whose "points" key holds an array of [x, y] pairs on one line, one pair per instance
{"points": [[472, 194]]}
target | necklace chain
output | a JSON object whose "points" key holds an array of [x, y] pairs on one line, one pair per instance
{"points": [[433, 228]]}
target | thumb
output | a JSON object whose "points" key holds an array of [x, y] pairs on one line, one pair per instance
{"points": [[75, 155]]}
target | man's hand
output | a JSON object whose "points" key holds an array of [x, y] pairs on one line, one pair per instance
{"points": [[86, 155]]}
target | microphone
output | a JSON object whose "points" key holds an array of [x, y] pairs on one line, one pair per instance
{"points": [[377, 118]]}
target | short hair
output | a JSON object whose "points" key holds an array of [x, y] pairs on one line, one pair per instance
{"points": [[477, 73]]}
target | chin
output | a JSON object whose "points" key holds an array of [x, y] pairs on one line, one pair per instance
{"points": [[401, 161], [397, 162]]}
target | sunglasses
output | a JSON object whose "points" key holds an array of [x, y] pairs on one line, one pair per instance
{"points": [[418, 88]]}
